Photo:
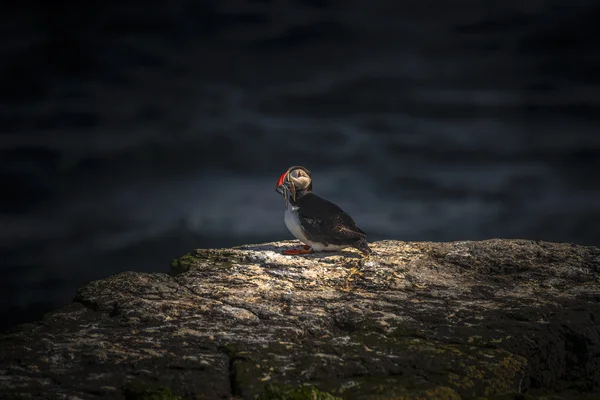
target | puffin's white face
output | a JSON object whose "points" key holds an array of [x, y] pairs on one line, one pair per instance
{"points": [[299, 178], [293, 180]]}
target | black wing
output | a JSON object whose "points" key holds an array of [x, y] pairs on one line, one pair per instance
{"points": [[324, 222]]}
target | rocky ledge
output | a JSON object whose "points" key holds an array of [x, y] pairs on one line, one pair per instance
{"points": [[496, 319]]}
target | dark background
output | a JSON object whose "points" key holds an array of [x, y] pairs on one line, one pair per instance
{"points": [[133, 132]]}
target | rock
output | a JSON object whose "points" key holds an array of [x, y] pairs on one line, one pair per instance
{"points": [[462, 320]]}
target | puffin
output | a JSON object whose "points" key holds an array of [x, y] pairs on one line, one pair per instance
{"points": [[316, 222]]}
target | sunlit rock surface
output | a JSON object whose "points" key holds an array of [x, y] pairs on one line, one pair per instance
{"points": [[461, 320]]}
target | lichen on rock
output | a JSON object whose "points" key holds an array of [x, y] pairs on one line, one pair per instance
{"points": [[491, 319]]}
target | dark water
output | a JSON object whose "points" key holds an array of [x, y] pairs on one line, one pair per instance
{"points": [[133, 133]]}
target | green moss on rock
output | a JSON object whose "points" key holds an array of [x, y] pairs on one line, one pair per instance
{"points": [[183, 264], [136, 390], [439, 393], [288, 392]]}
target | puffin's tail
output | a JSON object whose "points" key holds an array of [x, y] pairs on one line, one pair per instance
{"points": [[362, 245]]}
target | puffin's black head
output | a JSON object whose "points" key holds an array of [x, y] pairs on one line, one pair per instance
{"points": [[294, 181]]}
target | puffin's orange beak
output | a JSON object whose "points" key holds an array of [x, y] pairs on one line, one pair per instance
{"points": [[282, 178], [285, 187]]}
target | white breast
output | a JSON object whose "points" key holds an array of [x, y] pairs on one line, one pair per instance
{"points": [[293, 224]]}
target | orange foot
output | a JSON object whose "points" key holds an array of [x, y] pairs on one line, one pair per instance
{"points": [[297, 251], [306, 247]]}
